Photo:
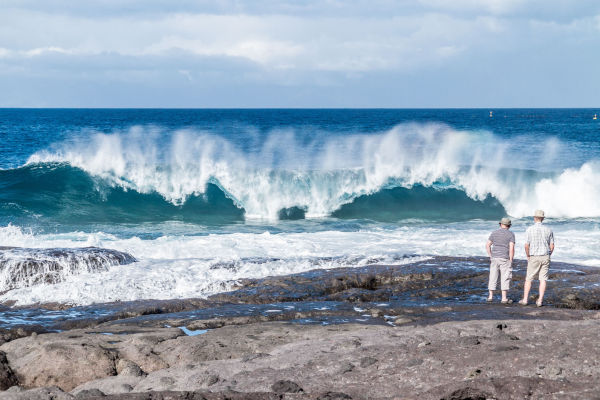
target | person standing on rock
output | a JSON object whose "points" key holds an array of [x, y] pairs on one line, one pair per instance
{"points": [[539, 246], [501, 250]]}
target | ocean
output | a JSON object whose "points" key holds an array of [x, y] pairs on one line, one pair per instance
{"points": [[203, 198]]}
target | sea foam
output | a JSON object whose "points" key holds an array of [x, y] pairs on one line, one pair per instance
{"points": [[198, 266]]}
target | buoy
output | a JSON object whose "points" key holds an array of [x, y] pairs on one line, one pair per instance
{"points": [[492, 115]]}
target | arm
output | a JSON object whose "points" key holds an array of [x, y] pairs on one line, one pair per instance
{"points": [[551, 248], [527, 241], [511, 251], [488, 247]]}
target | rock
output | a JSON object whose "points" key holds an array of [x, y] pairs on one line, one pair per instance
{"points": [[72, 358], [375, 313], [89, 393], [14, 389], [250, 357], [510, 387], [474, 373], [44, 393], [500, 326], [554, 371], [346, 367], [7, 377], [333, 396], [468, 341], [284, 386], [129, 368], [413, 362], [468, 393], [423, 344], [22, 267], [58, 362], [367, 361], [167, 381], [505, 348], [110, 385], [212, 380], [124, 388]]}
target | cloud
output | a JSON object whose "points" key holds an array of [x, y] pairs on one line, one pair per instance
{"points": [[311, 46], [273, 41]]}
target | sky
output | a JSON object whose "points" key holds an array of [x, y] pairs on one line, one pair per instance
{"points": [[313, 53]]}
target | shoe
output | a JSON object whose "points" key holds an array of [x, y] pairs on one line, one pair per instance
{"points": [[538, 303], [489, 300], [523, 302], [507, 301]]}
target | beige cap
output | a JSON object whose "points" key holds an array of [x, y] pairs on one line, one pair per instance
{"points": [[506, 221], [538, 213]]}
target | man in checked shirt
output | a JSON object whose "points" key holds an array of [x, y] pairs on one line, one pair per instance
{"points": [[539, 246]]}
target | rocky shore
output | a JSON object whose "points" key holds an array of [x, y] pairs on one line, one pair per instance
{"points": [[421, 330]]}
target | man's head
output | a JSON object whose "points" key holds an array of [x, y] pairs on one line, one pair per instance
{"points": [[538, 216], [505, 223]]}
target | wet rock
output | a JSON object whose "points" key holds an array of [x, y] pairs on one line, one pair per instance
{"points": [[285, 386], [22, 267], [7, 377], [376, 313]]}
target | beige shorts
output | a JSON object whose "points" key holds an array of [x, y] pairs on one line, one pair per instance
{"points": [[538, 265], [503, 267]]}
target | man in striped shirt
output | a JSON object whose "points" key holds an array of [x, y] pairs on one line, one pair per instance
{"points": [[539, 245], [501, 249]]}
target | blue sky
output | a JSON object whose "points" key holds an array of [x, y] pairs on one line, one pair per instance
{"points": [[285, 53]]}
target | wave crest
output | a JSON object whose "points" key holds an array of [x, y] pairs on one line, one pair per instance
{"points": [[321, 176]]}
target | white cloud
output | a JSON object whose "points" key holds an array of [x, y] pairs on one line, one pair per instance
{"points": [[43, 50], [496, 7]]}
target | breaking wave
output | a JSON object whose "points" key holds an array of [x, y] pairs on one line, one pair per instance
{"points": [[425, 171]]}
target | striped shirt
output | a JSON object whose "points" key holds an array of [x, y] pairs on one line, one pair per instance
{"points": [[501, 240], [539, 238]]}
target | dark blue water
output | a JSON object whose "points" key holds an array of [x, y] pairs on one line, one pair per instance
{"points": [[25, 131]]}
